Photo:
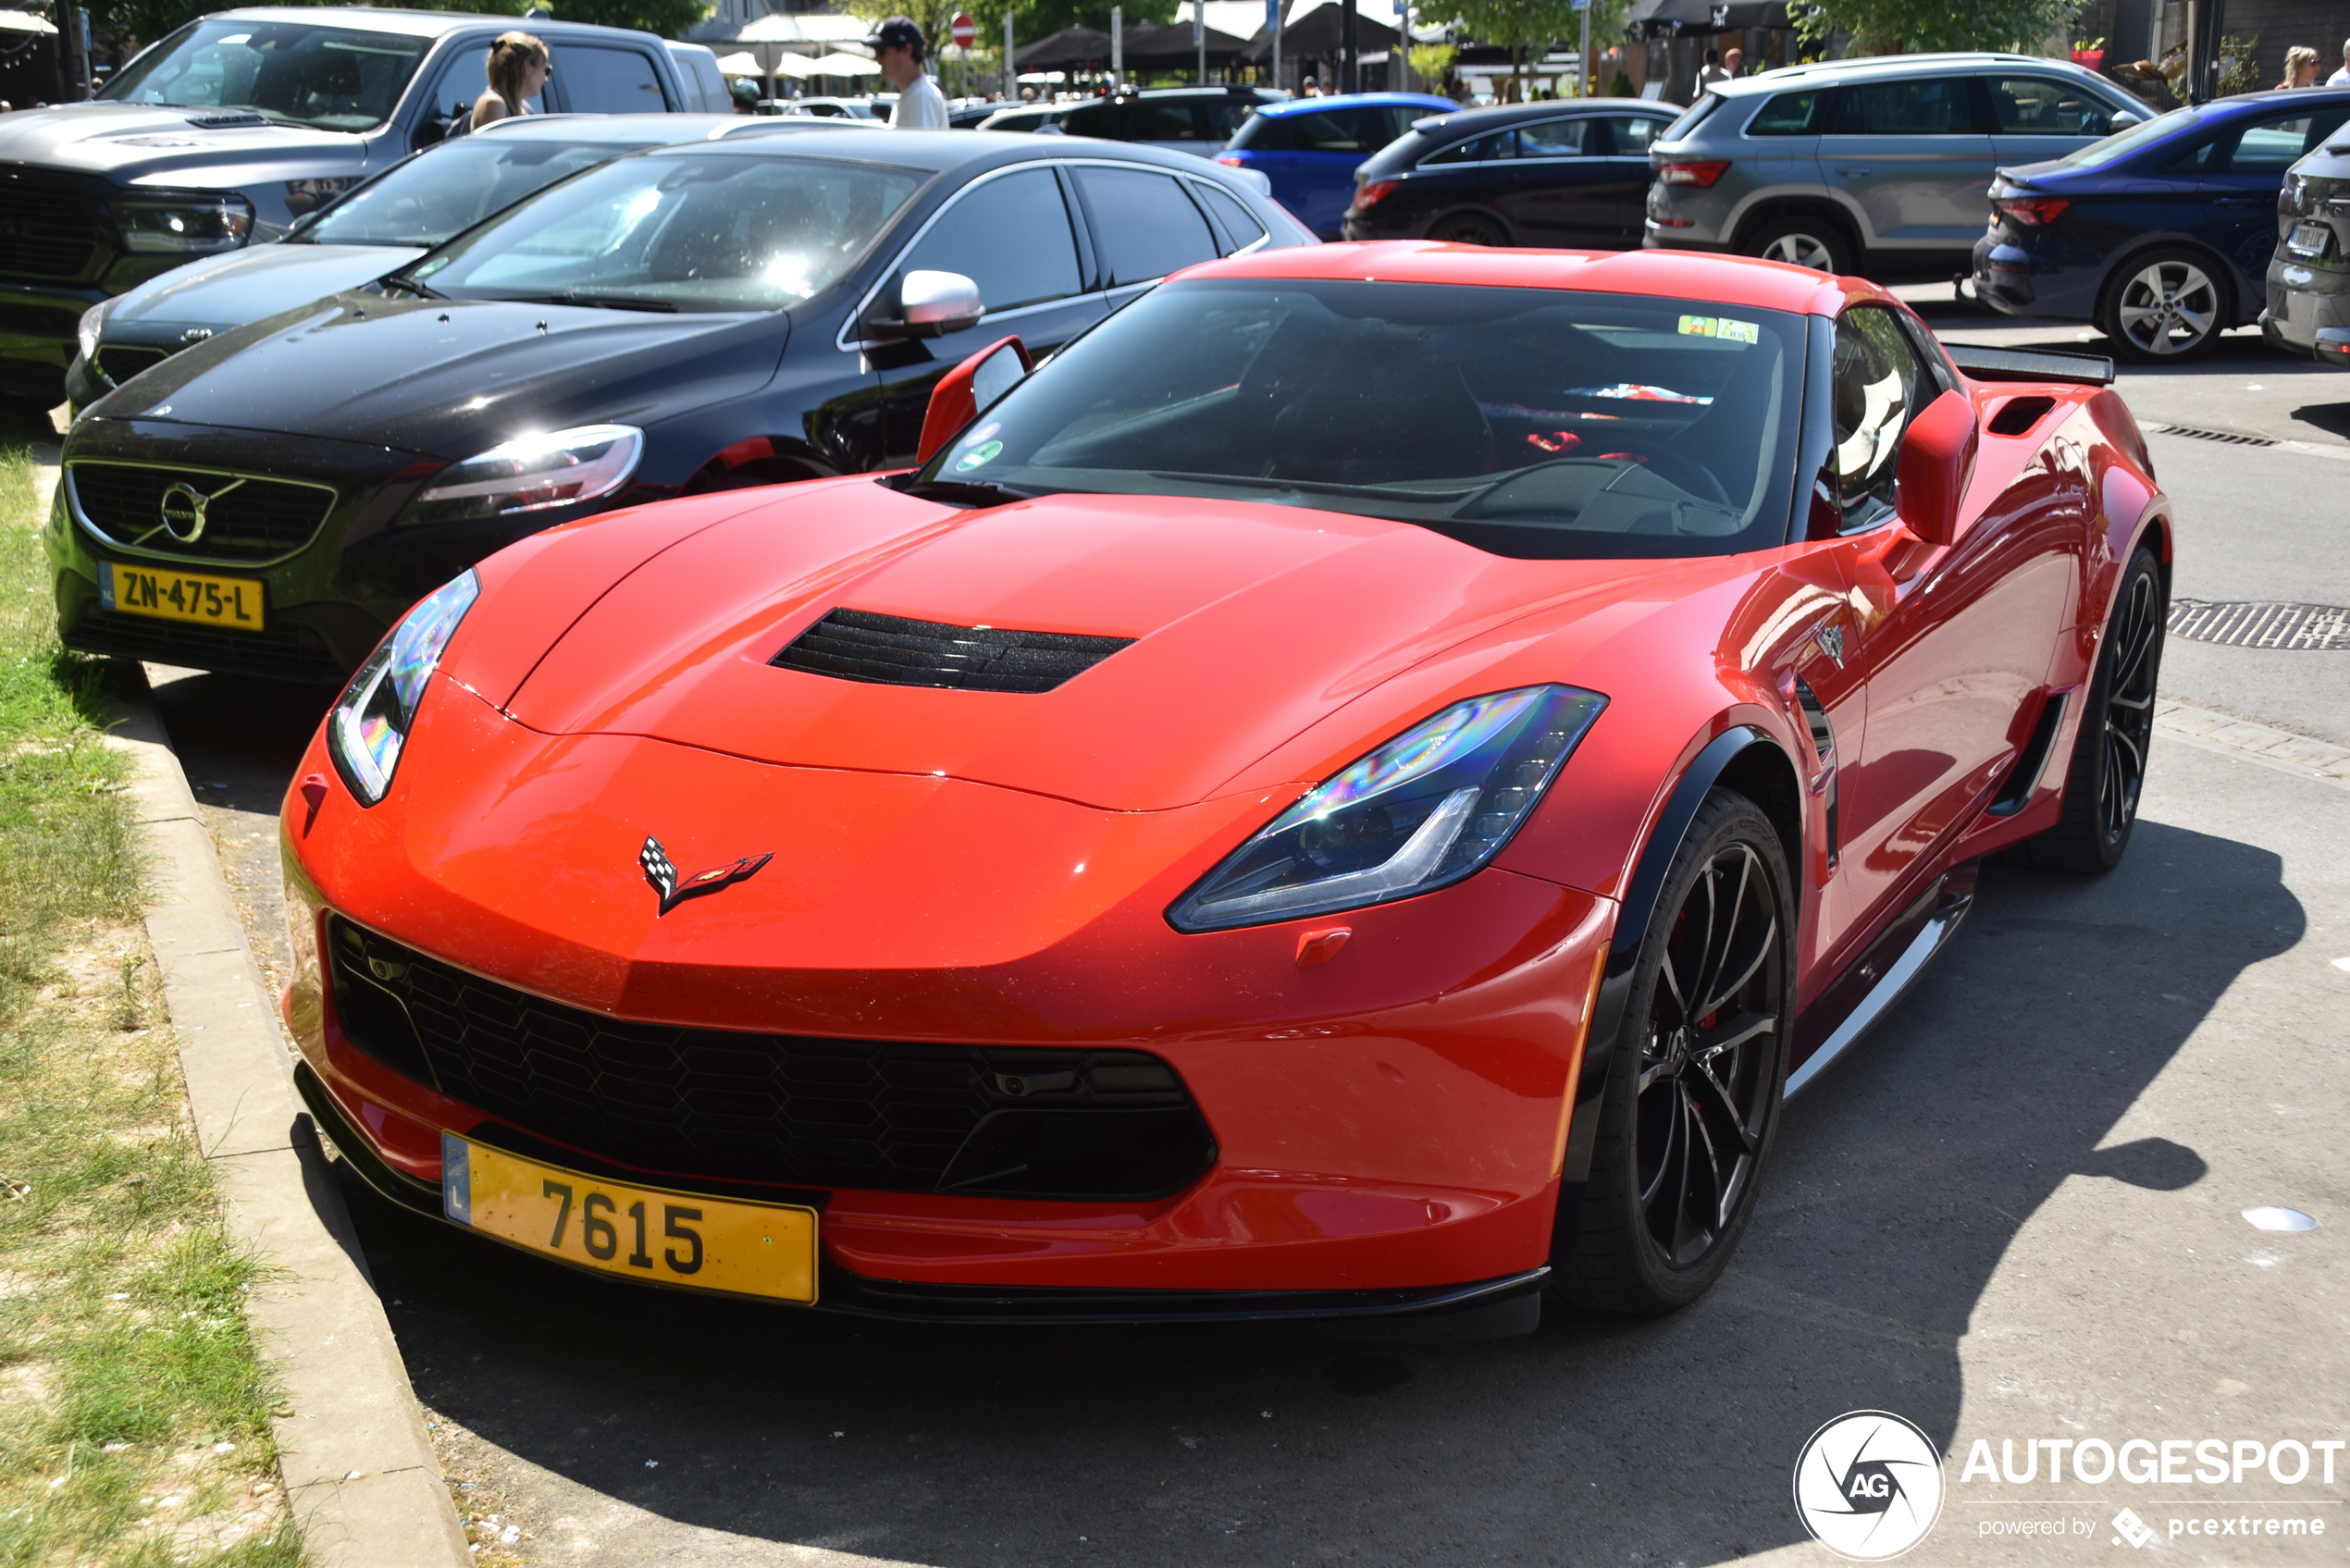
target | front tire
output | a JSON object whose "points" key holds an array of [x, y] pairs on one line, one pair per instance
{"points": [[2108, 773], [1695, 1075]]}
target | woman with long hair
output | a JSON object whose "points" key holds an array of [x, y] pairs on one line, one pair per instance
{"points": [[519, 66], [2300, 66]]}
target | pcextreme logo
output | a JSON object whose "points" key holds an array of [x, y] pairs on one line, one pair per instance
{"points": [[1868, 1485]]}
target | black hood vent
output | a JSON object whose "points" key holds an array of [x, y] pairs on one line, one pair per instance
{"points": [[222, 119], [856, 644]]}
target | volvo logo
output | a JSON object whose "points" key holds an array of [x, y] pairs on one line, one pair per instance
{"points": [[184, 507]]}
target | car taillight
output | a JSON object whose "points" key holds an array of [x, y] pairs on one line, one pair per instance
{"points": [[1230, 160], [2031, 210], [1372, 192], [1701, 172]]}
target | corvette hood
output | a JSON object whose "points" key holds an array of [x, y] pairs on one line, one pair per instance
{"points": [[453, 376], [1249, 622], [161, 145], [230, 290]]}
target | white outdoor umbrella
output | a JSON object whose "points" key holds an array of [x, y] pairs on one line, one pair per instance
{"points": [[740, 62], [842, 64]]}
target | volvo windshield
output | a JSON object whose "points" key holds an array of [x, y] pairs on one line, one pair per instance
{"points": [[1532, 423], [453, 187]]}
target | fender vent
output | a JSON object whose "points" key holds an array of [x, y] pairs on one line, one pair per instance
{"points": [[856, 644], [2017, 415]]}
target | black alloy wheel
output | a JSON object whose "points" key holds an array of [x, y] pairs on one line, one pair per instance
{"points": [[2108, 770], [1695, 1075], [1467, 229]]}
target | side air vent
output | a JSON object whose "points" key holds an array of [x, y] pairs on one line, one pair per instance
{"points": [[1823, 743], [856, 644], [2017, 415]]}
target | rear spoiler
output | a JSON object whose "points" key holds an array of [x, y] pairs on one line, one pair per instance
{"points": [[2030, 364]]}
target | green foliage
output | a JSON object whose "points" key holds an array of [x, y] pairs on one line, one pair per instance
{"points": [[1432, 62], [147, 20], [1526, 26], [1920, 26], [2239, 73]]}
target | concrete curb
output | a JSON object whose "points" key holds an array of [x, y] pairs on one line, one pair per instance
{"points": [[359, 1471]]}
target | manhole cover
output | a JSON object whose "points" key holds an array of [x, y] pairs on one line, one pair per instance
{"points": [[2257, 623]]}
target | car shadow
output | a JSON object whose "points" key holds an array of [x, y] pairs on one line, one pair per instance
{"points": [[1897, 1186]]}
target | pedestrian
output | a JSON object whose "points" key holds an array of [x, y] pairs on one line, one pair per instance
{"points": [[518, 68], [898, 49], [2342, 76], [1712, 72], [1734, 62], [2300, 66], [1313, 88], [745, 92]]}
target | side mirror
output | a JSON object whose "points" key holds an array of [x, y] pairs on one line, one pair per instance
{"points": [[2122, 120], [931, 304], [971, 390], [1938, 459]]}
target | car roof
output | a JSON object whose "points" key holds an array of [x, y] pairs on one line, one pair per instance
{"points": [[1898, 65], [942, 152], [1685, 275], [415, 24], [1343, 99], [647, 129], [1549, 109]]}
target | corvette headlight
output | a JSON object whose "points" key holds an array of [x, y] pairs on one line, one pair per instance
{"points": [[93, 321], [183, 226], [370, 724], [532, 472], [1424, 810]]}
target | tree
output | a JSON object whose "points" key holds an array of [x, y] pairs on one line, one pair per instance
{"points": [[1519, 26], [670, 18], [1927, 25]]}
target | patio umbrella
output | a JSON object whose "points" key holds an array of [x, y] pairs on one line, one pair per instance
{"points": [[1168, 46], [742, 62], [1316, 35], [842, 64], [1070, 47]]}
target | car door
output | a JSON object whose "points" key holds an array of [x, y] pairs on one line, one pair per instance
{"points": [[1326, 150], [2240, 193], [1915, 157], [1626, 156], [598, 79], [1560, 190], [2035, 118], [1010, 232], [1475, 173], [1955, 643]]}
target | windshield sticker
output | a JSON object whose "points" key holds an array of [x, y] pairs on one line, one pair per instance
{"points": [[978, 456], [1635, 391], [1720, 326]]}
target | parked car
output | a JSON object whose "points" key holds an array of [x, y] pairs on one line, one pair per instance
{"points": [[384, 223], [968, 114], [227, 131], [680, 320], [1199, 120], [2161, 235], [1309, 148], [1335, 797], [2309, 274], [1525, 174], [1881, 165], [838, 108], [1029, 117], [705, 84]]}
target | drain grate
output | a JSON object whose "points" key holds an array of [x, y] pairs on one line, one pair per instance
{"points": [[2225, 438], [2300, 627]]}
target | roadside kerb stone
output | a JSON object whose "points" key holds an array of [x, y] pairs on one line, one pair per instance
{"points": [[359, 1471], [2299, 755]]}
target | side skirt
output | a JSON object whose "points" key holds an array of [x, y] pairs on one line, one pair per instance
{"points": [[1866, 991]]}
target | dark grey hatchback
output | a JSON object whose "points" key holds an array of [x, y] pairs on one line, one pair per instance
{"points": [[1527, 174]]}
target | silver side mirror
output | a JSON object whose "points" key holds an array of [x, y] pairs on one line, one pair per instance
{"points": [[931, 304], [2122, 120]]}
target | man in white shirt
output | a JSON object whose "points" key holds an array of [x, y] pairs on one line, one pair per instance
{"points": [[2342, 76], [898, 49]]}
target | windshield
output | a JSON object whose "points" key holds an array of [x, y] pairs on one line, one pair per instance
{"points": [[2122, 143], [296, 73], [451, 188], [702, 229], [1532, 423]]}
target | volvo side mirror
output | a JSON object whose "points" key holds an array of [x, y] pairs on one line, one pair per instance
{"points": [[971, 390], [1938, 459], [931, 304]]}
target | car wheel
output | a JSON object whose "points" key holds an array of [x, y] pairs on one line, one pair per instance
{"points": [[2166, 306], [1801, 241], [2108, 770], [1694, 1079], [1467, 229]]}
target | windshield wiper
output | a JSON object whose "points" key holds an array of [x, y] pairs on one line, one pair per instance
{"points": [[967, 492], [606, 301], [409, 285]]}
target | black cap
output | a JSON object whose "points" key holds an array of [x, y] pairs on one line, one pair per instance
{"points": [[897, 32]]}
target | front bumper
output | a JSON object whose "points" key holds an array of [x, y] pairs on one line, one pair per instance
{"points": [[2308, 311]]}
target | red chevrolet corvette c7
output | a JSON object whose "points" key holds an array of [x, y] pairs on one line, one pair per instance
{"points": [[1355, 789]]}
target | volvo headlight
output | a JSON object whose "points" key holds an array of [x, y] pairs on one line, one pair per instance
{"points": [[530, 473], [368, 727], [1424, 810], [183, 226], [93, 321]]}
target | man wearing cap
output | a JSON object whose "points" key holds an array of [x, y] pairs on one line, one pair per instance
{"points": [[898, 49]]}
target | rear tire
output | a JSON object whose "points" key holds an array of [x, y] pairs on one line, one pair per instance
{"points": [[2165, 308], [2107, 773], [1694, 1078], [1801, 239], [1467, 229]]}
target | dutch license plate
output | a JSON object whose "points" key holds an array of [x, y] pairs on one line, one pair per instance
{"points": [[2308, 239], [642, 1232], [180, 596]]}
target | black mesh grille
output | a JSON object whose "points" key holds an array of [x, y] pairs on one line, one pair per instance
{"points": [[245, 519], [50, 235], [785, 1109], [276, 653], [856, 644], [122, 361]]}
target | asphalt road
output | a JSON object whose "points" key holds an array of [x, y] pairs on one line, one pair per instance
{"points": [[2014, 1215]]}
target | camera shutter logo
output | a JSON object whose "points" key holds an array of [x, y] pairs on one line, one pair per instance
{"points": [[1868, 1485]]}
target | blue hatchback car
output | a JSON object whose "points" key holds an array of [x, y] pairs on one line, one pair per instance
{"points": [[2159, 234], [1310, 147]]}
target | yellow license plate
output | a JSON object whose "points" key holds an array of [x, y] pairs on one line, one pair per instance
{"points": [[180, 596], [642, 1232]]}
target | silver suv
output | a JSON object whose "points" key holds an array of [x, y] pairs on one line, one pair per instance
{"points": [[1880, 165]]}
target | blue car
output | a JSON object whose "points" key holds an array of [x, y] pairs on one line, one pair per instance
{"points": [[2159, 234], [1310, 147]]}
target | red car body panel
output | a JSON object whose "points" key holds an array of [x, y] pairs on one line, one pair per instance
{"points": [[988, 868]]}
